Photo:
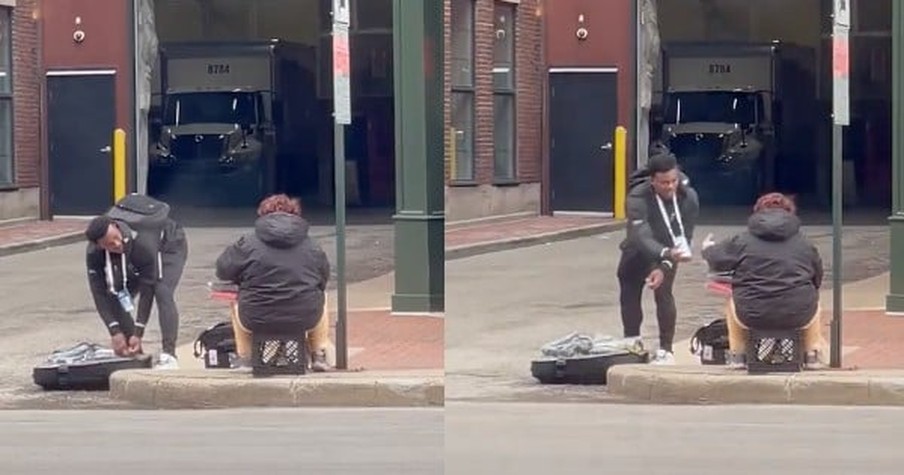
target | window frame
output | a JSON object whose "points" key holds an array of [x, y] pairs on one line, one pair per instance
{"points": [[510, 91], [465, 90], [7, 97]]}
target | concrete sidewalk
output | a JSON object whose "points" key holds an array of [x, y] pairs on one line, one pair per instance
{"points": [[207, 389], [475, 238], [720, 385], [872, 365], [393, 361], [32, 235]]}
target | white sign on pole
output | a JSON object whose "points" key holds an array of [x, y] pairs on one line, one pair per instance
{"points": [[340, 11], [842, 13], [342, 101], [840, 76]]}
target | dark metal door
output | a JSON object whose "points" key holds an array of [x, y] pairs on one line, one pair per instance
{"points": [[583, 114], [81, 118]]}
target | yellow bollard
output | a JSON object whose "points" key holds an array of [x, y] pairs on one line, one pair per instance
{"points": [[453, 155], [620, 176], [119, 165]]}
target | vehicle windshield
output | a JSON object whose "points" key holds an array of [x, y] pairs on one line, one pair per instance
{"points": [[210, 108], [712, 106]]}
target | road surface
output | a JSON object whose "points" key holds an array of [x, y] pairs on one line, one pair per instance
{"points": [[544, 439], [501, 307], [239, 442], [46, 304]]}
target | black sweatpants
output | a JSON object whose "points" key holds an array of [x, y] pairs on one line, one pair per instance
{"points": [[633, 270], [173, 257]]}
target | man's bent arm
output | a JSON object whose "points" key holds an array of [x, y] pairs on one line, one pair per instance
{"points": [[639, 230], [103, 301]]}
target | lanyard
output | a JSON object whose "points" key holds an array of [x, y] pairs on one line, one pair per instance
{"points": [[108, 271], [665, 217]]}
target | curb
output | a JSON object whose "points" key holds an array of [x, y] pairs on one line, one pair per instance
{"points": [[470, 250], [40, 244], [219, 389], [718, 385]]}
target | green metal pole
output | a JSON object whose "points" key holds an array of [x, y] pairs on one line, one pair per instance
{"points": [[894, 302], [341, 317], [837, 217], [418, 34]]}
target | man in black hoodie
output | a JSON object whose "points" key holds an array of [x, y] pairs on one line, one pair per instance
{"points": [[282, 276], [662, 210], [123, 262], [776, 276]]}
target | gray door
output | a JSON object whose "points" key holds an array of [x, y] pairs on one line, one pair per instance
{"points": [[583, 114], [81, 117]]}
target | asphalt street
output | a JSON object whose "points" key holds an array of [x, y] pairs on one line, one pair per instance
{"points": [[501, 307], [236, 442], [543, 439], [46, 304]]}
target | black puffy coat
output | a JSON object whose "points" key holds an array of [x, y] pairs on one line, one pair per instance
{"points": [[281, 273], [777, 272]]}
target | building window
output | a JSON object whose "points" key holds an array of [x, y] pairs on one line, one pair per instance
{"points": [[6, 97], [462, 57], [504, 92]]}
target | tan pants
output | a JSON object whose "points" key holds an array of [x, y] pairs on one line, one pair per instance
{"points": [[738, 333], [318, 338]]}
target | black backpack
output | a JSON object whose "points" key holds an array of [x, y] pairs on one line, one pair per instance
{"points": [[217, 345], [714, 334], [141, 212]]}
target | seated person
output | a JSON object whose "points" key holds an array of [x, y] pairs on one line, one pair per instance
{"points": [[282, 275], [776, 277]]}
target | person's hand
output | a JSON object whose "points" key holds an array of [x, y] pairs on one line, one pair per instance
{"points": [[708, 242], [134, 346], [677, 255], [119, 344], [654, 280]]}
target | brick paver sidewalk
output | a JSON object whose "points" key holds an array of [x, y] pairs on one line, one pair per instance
{"points": [[380, 341], [875, 339], [470, 234], [29, 231]]}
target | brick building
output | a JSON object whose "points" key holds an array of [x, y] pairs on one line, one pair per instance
{"points": [[20, 109], [494, 74]]}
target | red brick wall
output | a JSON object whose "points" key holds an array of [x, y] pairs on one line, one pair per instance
{"points": [[108, 44], [27, 91], [611, 43], [529, 69]]}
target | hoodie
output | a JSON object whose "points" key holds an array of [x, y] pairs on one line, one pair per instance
{"points": [[281, 274], [646, 233], [777, 272]]}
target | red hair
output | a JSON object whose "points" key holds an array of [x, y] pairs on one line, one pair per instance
{"points": [[279, 204], [775, 201]]}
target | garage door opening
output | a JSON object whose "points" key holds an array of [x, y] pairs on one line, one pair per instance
{"points": [[239, 103], [742, 94]]}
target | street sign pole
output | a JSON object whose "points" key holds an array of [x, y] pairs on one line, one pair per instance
{"points": [[840, 117], [342, 115]]}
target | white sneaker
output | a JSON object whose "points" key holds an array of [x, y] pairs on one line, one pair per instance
{"points": [[167, 361], [663, 357]]}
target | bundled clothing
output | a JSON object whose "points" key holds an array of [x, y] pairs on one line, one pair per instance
{"points": [[777, 272], [281, 272]]}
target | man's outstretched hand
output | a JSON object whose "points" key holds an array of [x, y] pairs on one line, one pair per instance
{"points": [[708, 242], [119, 344], [654, 280], [134, 347]]}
